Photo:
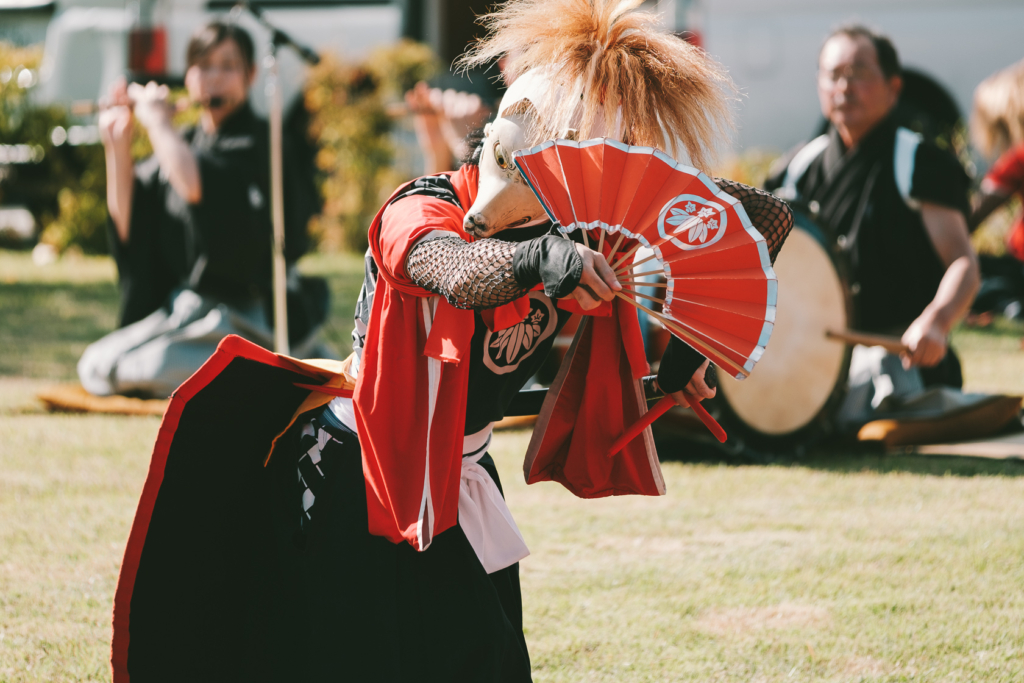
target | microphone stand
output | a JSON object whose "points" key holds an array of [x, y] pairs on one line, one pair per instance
{"points": [[278, 38]]}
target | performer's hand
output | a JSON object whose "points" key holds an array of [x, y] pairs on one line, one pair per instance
{"points": [[151, 106], [115, 119], [696, 389], [598, 282], [417, 99], [926, 341]]}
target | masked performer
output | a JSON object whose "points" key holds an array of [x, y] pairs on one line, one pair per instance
{"points": [[390, 555]]}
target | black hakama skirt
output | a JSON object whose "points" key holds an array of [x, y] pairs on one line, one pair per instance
{"points": [[226, 578]]}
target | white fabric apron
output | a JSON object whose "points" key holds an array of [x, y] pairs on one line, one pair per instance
{"points": [[483, 514]]}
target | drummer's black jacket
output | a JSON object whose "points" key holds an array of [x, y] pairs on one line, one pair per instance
{"points": [[868, 197], [220, 247]]}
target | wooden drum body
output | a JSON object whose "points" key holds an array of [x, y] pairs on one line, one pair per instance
{"points": [[797, 386]]}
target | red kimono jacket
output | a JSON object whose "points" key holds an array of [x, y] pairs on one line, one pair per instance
{"points": [[410, 397]]}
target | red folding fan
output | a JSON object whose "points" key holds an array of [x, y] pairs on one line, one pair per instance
{"points": [[720, 289]]}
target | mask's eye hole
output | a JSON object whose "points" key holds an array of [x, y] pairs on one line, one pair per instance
{"points": [[499, 155]]}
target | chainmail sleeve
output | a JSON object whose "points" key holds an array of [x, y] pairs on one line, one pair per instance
{"points": [[473, 275], [770, 215]]}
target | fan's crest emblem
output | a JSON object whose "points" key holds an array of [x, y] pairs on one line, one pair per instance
{"points": [[692, 222], [505, 349]]}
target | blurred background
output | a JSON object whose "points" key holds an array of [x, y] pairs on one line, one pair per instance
{"points": [[57, 57], [358, 116]]}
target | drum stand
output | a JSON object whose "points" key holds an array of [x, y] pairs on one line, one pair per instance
{"points": [[278, 38]]}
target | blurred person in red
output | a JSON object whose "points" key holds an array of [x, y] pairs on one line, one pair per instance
{"points": [[897, 207], [190, 225], [997, 128]]}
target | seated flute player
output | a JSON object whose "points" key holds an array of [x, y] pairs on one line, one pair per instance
{"points": [[191, 229]]}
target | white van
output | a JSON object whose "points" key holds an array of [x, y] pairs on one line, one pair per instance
{"points": [[89, 44]]}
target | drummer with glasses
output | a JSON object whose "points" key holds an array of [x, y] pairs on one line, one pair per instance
{"points": [[896, 205]]}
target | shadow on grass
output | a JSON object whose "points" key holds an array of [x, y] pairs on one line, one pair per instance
{"points": [[46, 326], [844, 458]]}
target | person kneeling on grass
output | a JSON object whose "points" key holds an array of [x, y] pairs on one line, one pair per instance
{"points": [[191, 226], [897, 206]]}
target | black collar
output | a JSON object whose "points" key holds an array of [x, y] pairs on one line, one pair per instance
{"points": [[837, 157], [241, 121], [238, 121]]}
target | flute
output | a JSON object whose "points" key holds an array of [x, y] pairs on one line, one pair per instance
{"points": [[90, 107]]}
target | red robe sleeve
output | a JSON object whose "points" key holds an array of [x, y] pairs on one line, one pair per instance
{"points": [[403, 225], [410, 398]]}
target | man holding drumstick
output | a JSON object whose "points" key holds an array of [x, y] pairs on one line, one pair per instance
{"points": [[896, 204]]}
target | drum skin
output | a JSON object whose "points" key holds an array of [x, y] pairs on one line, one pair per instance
{"points": [[797, 385]]}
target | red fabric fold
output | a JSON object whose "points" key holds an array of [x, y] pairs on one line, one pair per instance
{"points": [[632, 338], [450, 333], [589, 411], [573, 306], [503, 317], [412, 482]]}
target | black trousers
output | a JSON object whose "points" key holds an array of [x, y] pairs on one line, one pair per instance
{"points": [[388, 612]]}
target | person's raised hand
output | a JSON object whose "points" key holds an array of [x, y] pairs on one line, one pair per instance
{"points": [[115, 117], [465, 111], [117, 96], [417, 99], [598, 282], [925, 341], [150, 104]]}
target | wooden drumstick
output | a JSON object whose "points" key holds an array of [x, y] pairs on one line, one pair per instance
{"points": [[660, 408], [890, 344]]}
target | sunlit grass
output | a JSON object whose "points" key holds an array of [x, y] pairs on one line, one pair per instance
{"points": [[51, 313], [851, 566], [68, 489], [993, 357], [790, 572]]}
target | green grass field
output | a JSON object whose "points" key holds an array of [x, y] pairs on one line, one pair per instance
{"points": [[851, 566]]}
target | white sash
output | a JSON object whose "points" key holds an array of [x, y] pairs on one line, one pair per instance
{"points": [[483, 514]]}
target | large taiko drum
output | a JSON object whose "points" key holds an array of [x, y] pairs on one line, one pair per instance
{"points": [[794, 393]]}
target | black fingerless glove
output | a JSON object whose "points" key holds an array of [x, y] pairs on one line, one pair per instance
{"points": [[550, 259], [678, 364]]}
